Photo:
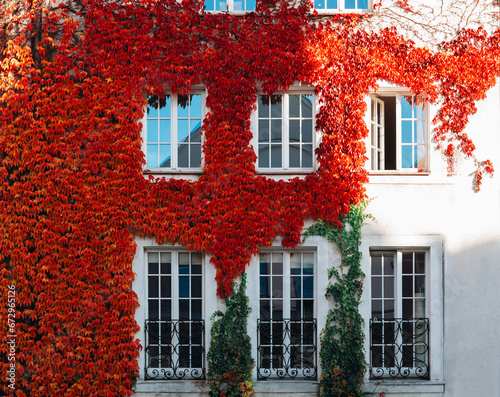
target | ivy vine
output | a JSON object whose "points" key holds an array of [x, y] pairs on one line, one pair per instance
{"points": [[230, 362], [342, 351]]}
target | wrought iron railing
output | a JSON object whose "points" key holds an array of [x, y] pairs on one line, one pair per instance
{"points": [[399, 348], [286, 349], [175, 349]]}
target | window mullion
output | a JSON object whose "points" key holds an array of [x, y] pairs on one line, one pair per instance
{"points": [[398, 133], [285, 125], [173, 126]]}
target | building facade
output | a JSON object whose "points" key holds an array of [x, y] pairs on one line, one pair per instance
{"points": [[430, 253]]}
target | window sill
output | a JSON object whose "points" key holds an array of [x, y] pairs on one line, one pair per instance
{"points": [[398, 173], [402, 386]]}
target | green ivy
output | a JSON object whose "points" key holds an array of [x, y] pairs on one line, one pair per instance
{"points": [[342, 352], [230, 361]]}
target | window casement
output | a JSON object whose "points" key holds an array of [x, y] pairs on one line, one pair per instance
{"points": [[399, 323], [230, 5], [173, 132], [175, 327], [284, 132], [286, 329], [344, 6], [398, 133]]}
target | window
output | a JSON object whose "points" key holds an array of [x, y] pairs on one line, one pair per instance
{"points": [[341, 5], [399, 323], [230, 5], [173, 132], [174, 326], [286, 330], [285, 132], [398, 137]]}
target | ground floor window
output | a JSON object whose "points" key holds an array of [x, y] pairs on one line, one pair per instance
{"points": [[286, 329], [399, 323], [174, 328]]}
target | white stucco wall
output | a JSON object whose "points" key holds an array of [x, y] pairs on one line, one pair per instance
{"points": [[469, 224]]}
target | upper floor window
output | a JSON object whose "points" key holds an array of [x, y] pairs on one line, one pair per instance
{"points": [[341, 5], [398, 133], [230, 5], [284, 132], [173, 132]]}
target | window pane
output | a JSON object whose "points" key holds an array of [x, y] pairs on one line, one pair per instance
{"points": [[276, 135], [277, 282], [307, 131], [263, 106], [294, 130], [350, 4], [195, 134], [166, 287], [407, 263], [196, 309], [406, 108], [408, 286], [331, 4], [388, 309], [195, 156], [263, 156], [265, 260], [196, 286], [362, 4], [277, 264], [388, 287], [306, 105], [264, 287], [308, 287], [376, 287], [307, 156], [295, 287], [308, 307], [406, 131], [250, 5], [166, 309], [195, 106], [183, 131], [419, 131], [183, 155], [376, 264], [276, 106], [165, 156], [153, 289], [275, 156], [420, 263], [406, 154], [153, 263], [420, 285], [388, 264], [264, 130], [308, 266], [152, 131], [294, 105], [164, 131], [295, 264], [182, 106], [184, 286], [152, 110], [294, 156]]}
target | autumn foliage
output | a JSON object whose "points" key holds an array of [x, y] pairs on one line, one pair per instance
{"points": [[74, 80]]}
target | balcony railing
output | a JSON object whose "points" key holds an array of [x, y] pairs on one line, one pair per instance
{"points": [[175, 349], [286, 349], [399, 348]]}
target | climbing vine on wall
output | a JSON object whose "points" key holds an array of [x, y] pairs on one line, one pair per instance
{"points": [[230, 362], [74, 78], [342, 352]]}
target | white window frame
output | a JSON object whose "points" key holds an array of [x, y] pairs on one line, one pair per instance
{"points": [[285, 124], [341, 8], [433, 244], [174, 299], [230, 6], [378, 97], [174, 136], [286, 298], [398, 303]]}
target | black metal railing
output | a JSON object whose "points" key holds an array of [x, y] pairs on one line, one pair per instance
{"points": [[399, 348], [286, 349], [175, 349]]}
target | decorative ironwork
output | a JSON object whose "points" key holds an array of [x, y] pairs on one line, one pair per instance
{"points": [[399, 348], [286, 349], [175, 349]]}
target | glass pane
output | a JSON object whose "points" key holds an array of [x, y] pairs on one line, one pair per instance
{"points": [[308, 287], [195, 106], [209, 5], [277, 282], [152, 131], [196, 286], [165, 259], [165, 107], [295, 264], [295, 287], [406, 160], [183, 309], [276, 106], [319, 4], [407, 308], [263, 156], [153, 309], [376, 264], [307, 131], [165, 156], [250, 5], [265, 260], [294, 131], [362, 4], [294, 105], [196, 309], [183, 131], [376, 287], [388, 264], [377, 309], [183, 155], [419, 131], [420, 286], [350, 4], [153, 289], [295, 309], [275, 156], [264, 130], [264, 287], [265, 311], [408, 286], [164, 131], [307, 156], [263, 106], [276, 131], [294, 156], [195, 135], [153, 263], [306, 106], [406, 108], [152, 110], [165, 286], [388, 287], [420, 262], [195, 156], [407, 263], [277, 264], [388, 309], [166, 310], [182, 106], [406, 131], [308, 263], [277, 307], [184, 286]]}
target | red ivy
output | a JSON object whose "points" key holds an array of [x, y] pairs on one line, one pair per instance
{"points": [[73, 195]]}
